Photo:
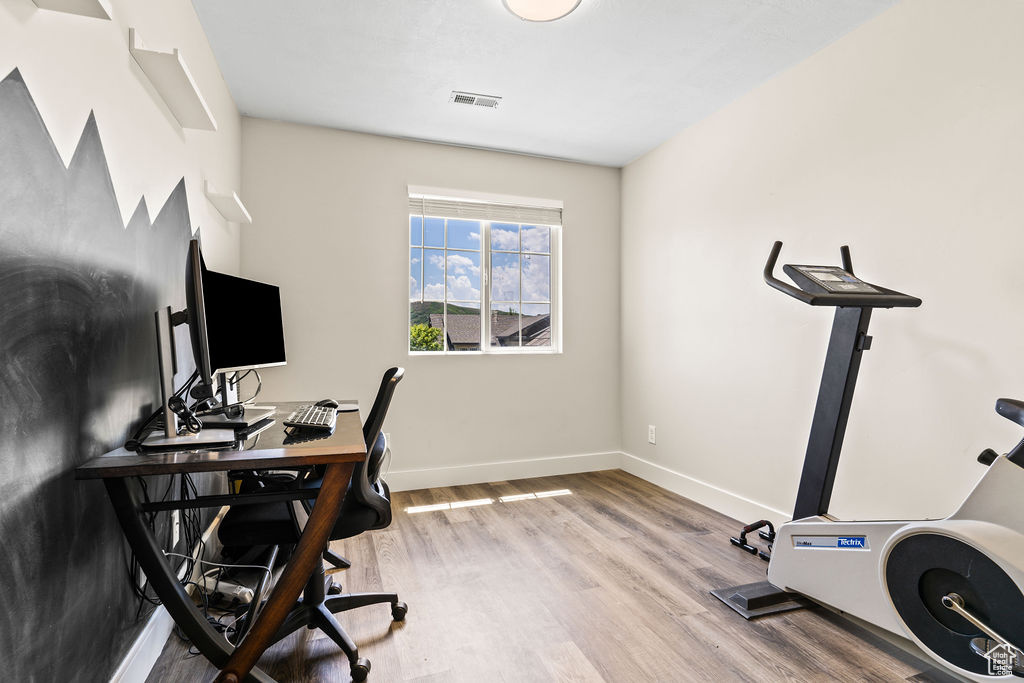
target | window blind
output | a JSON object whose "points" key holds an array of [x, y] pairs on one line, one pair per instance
{"points": [[483, 211]]}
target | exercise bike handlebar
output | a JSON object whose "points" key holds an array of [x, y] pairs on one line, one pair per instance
{"points": [[886, 299], [785, 287]]}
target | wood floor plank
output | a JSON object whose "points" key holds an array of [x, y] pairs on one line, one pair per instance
{"points": [[607, 583], [566, 664]]}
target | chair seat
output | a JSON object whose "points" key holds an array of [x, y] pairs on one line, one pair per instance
{"points": [[272, 523]]}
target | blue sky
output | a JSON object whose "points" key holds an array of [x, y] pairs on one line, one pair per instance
{"points": [[508, 270]]}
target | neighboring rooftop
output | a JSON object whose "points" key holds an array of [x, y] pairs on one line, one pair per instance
{"points": [[464, 329]]}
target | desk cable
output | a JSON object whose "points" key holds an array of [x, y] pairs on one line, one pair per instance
{"points": [[204, 590], [155, 420], [232, 383]]}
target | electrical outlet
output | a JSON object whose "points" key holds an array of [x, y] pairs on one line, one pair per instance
{"points": [[651, 434], [175, 528]]}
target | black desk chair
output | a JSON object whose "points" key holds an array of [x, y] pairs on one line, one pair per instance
{"points": [[367, 505]]}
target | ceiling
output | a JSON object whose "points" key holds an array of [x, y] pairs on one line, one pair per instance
{"points": [[604, 85]]}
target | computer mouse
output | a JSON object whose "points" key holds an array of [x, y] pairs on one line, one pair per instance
{"points": [[328, 403]]}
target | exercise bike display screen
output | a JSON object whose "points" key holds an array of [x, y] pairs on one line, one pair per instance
{"points": [[828, 277], [835, 280]]}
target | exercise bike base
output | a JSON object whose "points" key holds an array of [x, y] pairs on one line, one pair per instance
{"points": [[760, 599]]}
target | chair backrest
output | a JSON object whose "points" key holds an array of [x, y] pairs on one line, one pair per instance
{"points": [[365, 474], [375, 420]]}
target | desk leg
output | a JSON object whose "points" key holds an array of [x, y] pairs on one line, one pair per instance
{"points": [[301, 565], [164, 582]]}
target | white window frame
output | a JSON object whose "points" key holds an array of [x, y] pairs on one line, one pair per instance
{"points": [[554, 290]]}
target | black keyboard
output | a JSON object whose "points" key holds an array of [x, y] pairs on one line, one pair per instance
{"points": [[312, 416]]}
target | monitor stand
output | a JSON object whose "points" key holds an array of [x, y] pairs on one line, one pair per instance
{"points": [[207, 438], [228, 391], [169, 439], [250, 416]]}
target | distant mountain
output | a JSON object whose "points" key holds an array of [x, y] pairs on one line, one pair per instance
{"points": [[419, 311]]}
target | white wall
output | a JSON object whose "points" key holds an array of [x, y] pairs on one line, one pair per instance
{"points": [[73, 65], [904, 140], [331, 228]]}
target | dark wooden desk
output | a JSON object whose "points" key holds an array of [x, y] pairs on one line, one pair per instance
{"points": [[266, 450]]}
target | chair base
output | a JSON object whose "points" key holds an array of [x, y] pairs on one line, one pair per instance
{"points": [[340, 564], [337, 560], [315, 610]]}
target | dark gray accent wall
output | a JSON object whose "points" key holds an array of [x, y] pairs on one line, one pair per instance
{"points": [[77, 371]]}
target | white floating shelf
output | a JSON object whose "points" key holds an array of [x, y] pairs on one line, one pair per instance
{"points": [[229, 205], [171, 78], [100, 9]]}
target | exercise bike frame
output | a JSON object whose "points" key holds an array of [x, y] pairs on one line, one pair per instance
{"points": [[876, 581]]}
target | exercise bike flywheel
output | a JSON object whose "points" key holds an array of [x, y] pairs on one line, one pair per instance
{"points": [[952, 597]]}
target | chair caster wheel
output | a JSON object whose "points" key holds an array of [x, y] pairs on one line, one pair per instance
{"points": [[399, 610], [334, 589], [360, 669]]}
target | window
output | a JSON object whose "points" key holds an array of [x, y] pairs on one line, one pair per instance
{"points": [[483, 276]]}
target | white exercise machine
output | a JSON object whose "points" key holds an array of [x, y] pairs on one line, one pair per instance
{"points": [[953, 586]]}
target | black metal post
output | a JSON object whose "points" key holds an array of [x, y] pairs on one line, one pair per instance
{"points": [[838, 380]]}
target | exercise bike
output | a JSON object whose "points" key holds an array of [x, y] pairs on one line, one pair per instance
{"points": [[953, 586]]}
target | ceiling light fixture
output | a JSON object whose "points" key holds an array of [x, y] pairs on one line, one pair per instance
{"points": [[541, 10]]}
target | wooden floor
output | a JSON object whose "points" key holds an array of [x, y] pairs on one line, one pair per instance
{"points": [[608, 583]]}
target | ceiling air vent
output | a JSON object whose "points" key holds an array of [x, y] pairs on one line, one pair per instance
{"points": [[489, 101]]}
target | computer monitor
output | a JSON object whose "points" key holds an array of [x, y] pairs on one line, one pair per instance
{"points": [[235, 324]]}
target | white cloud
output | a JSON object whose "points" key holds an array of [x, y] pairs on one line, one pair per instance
{"points": [[434, 292], [536, 278], [536, 239], [414, 288], [460, 288], [505, 282], [460, 265], [504, 239]]}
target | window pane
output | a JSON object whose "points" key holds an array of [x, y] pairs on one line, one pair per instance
{"points": [[416, 230], [415, 283], [433, 232], [463, 276], [426, 331], [505, 236], [463, 328], [504, 277], [537, 238], [504, 324], [536, 278], [536, 327], [433, 274], [463, 234], [446, 284]]}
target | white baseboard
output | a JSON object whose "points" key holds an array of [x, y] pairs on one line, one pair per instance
{"points": [[718, 499], [456, 475], [146, 649]]}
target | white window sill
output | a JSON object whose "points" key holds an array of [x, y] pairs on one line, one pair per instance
{"points": [[503, 352]]}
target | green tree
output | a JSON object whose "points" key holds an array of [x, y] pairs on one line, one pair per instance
{"points": [[423, 337]]}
